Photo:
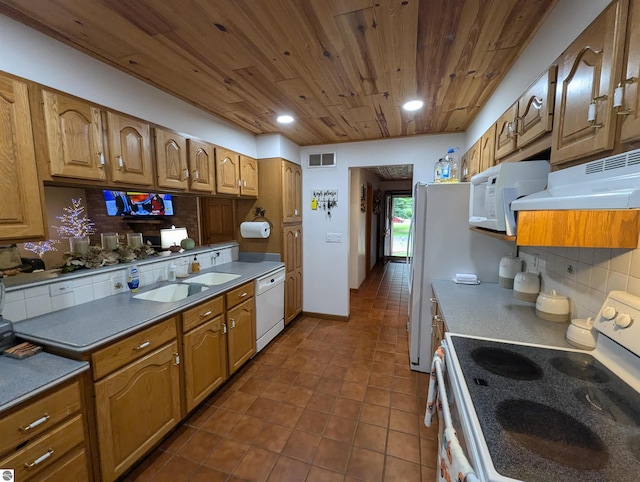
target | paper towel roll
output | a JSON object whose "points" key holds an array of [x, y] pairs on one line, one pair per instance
{"points": [[255, 229]]}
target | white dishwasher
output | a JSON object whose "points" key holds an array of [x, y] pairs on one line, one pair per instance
{"points": [[269, 295]]}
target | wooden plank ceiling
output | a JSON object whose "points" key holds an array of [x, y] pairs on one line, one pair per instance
{"points": [[342, 68]]}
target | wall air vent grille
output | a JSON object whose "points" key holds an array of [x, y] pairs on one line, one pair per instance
{"points": [[594, 167], [325, 159], [615, 162]]}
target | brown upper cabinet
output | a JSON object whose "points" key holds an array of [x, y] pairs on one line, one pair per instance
{"points": [[470, 162], [629, 112], [291, 193], [21, 213], [588, 71], [129, 142], [235, 174], [530, 118], [73, 131], [171, 160], [487, 149], [201, 157]]}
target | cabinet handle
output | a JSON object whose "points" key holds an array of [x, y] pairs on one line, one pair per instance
{"points": [[244, 183], [186, 173], [101, 159], [120, 163], [206, 313], [196, 174], [243, 294], [295, 212], [233, 323], [40, 459], [592, 111], [34, 424], [239, 182], [438, 318], [433, 300], [177, 358], [224, 329], [142, 345]]}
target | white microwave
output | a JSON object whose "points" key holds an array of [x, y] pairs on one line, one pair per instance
{"points": [[493, 190]]}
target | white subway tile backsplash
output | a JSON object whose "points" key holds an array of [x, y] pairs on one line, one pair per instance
{"points": [[83, 294], [15, 311], [63, 301], [617, 281], [599, 279], [38, 305], [36, 291], [586, 255], [101, 289], [12, 296], [620, 260], [633, 285], [634, 270], [583, 274], [601, 257]]}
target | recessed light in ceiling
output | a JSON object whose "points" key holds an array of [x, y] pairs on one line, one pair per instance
{"points": [[413, 105], [285, 119]]}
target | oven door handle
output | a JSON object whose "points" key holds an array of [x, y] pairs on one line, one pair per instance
{"points": [[442, 394]]}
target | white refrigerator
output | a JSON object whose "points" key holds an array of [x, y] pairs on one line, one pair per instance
{"points": [[441, 245]]}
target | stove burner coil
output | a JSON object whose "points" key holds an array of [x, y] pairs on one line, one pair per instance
{"points": [[552, 434], [507, 363]]}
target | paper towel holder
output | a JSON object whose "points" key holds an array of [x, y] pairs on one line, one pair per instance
{"points": [[260, 214]]}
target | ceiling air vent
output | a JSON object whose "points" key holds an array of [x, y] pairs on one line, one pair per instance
{"points": [[326, 159]]}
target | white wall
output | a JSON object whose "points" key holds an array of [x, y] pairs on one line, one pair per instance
{"points": [[326, 265], [34, 56], [276, 145], [563, 24]]}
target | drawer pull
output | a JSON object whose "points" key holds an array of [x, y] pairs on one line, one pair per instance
{"points": [[244, 294], [40, 459], [206, 313], [41, 420], [142, 345], [233, 323]]}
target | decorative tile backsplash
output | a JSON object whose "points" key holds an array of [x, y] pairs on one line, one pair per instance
{"points": [[585, 275], [88, 285]]}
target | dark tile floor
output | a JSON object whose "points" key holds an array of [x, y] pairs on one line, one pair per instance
{"points": [[325, 401]]}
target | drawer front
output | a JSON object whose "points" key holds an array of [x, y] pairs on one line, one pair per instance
{"points": [[133, 347], [194, 317], [38, 416], [240, 294], [47, 450], [72, 468]]}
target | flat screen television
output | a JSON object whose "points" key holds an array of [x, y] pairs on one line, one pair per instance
{"points": [[135, 203]]}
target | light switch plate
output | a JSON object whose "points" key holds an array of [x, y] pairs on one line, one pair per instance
{"points": [[334, 237]]}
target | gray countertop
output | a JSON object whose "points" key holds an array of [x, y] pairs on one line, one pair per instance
{"points": [[22, 379], [488, 310], [85, 327]]}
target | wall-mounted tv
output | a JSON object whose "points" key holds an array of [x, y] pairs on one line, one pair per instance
{"points": [[135, 203]]}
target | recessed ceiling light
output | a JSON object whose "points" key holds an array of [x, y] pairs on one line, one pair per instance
{"points": [[413, 105], [285, 119]]}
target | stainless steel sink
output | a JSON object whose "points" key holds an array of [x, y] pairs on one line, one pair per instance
{"points": [[172, 292], [212, 278]]}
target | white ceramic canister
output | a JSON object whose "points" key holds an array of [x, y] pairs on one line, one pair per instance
{"points": [[551, 306], [509, 268], [526, 286]]}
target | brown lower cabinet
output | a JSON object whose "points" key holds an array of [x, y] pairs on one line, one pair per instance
{"points": [[136, 407]]}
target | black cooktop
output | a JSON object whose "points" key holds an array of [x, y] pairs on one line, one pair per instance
{"points": [[549, 415]]}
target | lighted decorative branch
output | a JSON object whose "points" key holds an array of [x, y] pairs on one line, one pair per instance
{"points": [[75, 223], [41, 247]]}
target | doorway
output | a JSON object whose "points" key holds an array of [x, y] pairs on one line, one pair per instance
{"points": [[397, 218]]}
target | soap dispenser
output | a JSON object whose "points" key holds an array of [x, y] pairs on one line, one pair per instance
{"points": [[133, 279], [195, 265]]}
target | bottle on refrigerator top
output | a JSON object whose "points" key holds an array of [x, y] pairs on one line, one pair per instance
{"points": [[451, 160], [437, 171], [133, 279]]}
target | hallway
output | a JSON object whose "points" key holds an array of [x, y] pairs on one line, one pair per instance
{"points": [[326, 401]]}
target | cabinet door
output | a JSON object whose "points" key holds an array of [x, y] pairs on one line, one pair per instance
{"points": [[631, 104], [535, 109], [217, 219], [248, 176], [487, 149], [292, 249], [135, 407], [201, 166], [291, 192], [74, 137], [227, 172], [506, 132], [587, 72], [21, 210], [205, 361], [290, 296], [241, 334], [171, 160], [129, 150], [474, 159]]}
